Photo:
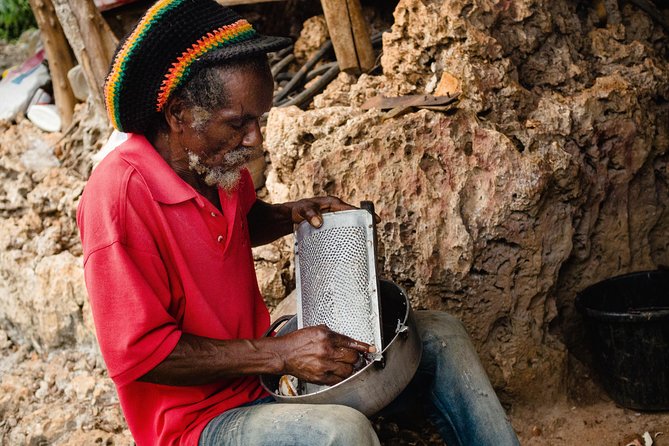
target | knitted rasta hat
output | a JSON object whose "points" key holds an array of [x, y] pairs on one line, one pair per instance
{"points": [[173, 40]]}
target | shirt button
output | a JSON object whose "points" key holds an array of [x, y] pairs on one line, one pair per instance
{"points": [[213, 214], [219, 239]]}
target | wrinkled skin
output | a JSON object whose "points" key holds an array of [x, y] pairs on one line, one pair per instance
{"points": [[321, 355]]}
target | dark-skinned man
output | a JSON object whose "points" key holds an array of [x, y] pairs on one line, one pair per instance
{"points": [[167, 221]]}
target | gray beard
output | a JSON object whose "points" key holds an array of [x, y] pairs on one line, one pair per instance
{"points": [[227, 175]]}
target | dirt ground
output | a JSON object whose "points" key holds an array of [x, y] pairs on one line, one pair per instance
{"points": [[602, 423]]}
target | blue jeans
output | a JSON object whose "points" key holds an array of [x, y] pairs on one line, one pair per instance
{"points": [[450, 383]]}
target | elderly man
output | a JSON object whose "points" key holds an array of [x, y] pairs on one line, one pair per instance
{"points": [[167, 222]]}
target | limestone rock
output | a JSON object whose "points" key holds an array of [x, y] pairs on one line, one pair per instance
{"points": [[273, 269], [269, 253], [448, 85], [42, 294], [287, 306], [270, 282], [550, 174], [44, 299], [313, 35], [349, 91], [60, 398]]}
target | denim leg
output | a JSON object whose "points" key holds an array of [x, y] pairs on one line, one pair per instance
{"points": [[289, 425], [465, 408]]}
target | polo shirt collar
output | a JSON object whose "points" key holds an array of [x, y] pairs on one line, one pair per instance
{"points": [[163, 182]]}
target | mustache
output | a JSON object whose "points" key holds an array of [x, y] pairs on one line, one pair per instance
{"points": [[233, 158], [226, 173], [241, 155]]}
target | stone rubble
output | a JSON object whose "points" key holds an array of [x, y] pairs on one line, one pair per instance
{"points": [[62, 398]]}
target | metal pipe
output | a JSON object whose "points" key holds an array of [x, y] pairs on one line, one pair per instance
{"points": [[313, 89], [283, 63], [318, 71]]}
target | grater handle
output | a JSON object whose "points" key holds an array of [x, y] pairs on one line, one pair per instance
{"points": [[369, 207], [272, 328]]}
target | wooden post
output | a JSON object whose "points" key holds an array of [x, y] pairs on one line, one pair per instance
{"points": [[349, 34], [92, 40], [59, 55]]}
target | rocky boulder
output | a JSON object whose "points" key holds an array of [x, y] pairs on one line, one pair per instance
{"points": [[548, 175]]}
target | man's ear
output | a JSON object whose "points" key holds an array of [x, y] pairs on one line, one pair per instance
{"points": [[175, 115]]}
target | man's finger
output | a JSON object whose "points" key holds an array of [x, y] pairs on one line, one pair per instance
{"points": [[347, 355], [313, 218], [345, 341], [334, 204]]}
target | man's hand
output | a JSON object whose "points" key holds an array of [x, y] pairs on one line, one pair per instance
{"points": [[315, 354], [310, 209], [319, 355], [268, 222]]}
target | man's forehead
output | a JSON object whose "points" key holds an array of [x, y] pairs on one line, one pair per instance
{"points": [[247, 91], [236, 76]]}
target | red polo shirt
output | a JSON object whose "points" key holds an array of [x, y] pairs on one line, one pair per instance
{"points": [[160, 260]]}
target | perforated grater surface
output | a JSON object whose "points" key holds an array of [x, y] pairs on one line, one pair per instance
{"points": [[335, 270]]}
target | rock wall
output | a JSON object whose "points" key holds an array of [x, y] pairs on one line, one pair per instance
{"points": [[41, 296], [548, 175]]}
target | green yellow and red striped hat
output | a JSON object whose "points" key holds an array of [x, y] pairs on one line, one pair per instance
{"points": [[169, 43]]}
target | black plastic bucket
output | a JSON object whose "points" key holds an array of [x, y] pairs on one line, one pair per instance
{"points": [[627, 321]]}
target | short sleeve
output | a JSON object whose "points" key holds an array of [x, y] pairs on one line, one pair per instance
{"points": [[130, 298]]}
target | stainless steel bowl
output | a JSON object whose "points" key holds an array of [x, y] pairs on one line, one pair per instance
{"points": [[377, 384]]}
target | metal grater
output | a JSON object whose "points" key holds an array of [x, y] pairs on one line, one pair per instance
{"points": [[335, 270]]}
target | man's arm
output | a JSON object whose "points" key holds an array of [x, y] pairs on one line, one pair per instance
{"points": [[315, 354], [268, 222]]}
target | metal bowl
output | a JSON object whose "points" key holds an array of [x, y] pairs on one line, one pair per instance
{"points": [[378, 383]]}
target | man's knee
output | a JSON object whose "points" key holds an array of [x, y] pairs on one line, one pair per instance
{"points": [[438, 324], [346, 426]]}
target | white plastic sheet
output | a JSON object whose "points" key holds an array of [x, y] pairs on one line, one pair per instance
{"points": [[20, 84]]}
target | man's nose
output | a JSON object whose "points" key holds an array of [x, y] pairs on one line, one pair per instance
{"points": [[253, 136]]}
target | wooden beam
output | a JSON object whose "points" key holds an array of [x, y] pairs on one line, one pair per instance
{"points": [[363, 41], [349, 34], [91, 39], [59, 55]]}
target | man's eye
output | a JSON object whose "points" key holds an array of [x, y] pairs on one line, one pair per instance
{"points": [[236, 124]]}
